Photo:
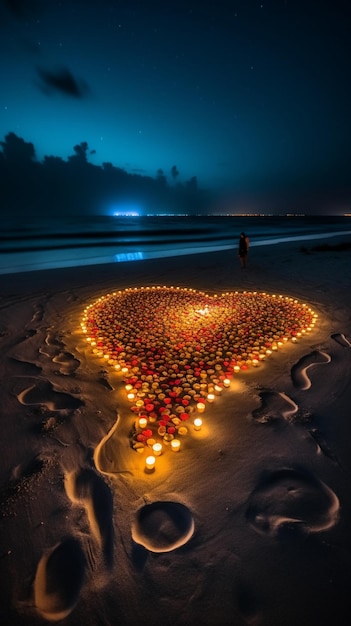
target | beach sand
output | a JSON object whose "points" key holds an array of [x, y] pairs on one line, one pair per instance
{"points": [[249, 523]]}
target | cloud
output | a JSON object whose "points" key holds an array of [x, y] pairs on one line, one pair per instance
{"points": [[62, 81]]}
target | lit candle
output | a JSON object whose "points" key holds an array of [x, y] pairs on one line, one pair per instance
{"points": [[157, 449], [168, 438], [142, 422], [236, 368], [226, 382], [200, 407], [210, 397], [150, 463], [131, 396], [254, 362], [197, 423], [175, 445]]}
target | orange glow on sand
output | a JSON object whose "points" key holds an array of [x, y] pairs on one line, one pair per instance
{"points": [[174, 346]]}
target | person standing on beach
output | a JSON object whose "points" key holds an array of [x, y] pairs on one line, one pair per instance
{"points": [[243, 249]]}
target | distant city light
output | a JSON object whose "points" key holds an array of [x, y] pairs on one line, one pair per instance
{"points": [[126, 214], [125, 208]]}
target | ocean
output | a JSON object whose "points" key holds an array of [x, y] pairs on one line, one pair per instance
{"points": [[69, 242]]}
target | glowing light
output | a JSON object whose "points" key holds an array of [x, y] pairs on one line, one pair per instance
{"points": [[203, 311], [129, 256], [197, 423], [175, 445], [185, 346], [157, 449], [150, 462]]}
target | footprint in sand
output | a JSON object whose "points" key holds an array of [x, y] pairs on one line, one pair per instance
{"points": [[322, 446], [163, 526], [248, 604], [87, 488], [292, 497], [68, 364], [38, 313], [60, 572], [299, 370], [42, 393], [55, 349], [342, 340], [58, 580], [27, 368], [273, 406]]}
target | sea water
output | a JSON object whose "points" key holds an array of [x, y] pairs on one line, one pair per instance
{"points": [[47, 243]]}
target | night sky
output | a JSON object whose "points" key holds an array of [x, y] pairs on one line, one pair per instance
{"points": [[251, 97]]}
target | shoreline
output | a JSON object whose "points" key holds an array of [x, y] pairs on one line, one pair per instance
{"points": [[30, 262]]}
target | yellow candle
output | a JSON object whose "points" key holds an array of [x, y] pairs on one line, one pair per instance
{"points": [[226, 382], [175, 445], [236, 368], [197, 423], [142, 422], [200, 407], [150, 462], [157, 449], [210, 397]]}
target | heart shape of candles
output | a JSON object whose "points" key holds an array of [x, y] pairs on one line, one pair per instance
{"points": [[174, 345]]}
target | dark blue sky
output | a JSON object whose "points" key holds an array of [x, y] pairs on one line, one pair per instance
{"points": [[252, 97]]}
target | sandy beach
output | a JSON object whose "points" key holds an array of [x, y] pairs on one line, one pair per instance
{"points": [[248, 524]]}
